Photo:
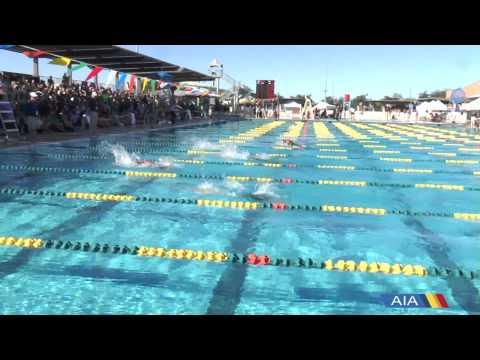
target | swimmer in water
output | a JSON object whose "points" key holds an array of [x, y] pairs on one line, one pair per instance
{"points": [[148, 163], [292, 144], [265, 192], [261, 196]]}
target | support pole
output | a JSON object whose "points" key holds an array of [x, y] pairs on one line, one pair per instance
{"points": [[36, 72], [70, 72]]}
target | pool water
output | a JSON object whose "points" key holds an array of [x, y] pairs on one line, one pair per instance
{"points": [[50, 281]]}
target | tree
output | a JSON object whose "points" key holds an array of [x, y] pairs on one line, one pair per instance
{"points": [[357, 100], [397, 96], [439, 94], [244, 91], [303, 96], [331, 100], [423, 94]]}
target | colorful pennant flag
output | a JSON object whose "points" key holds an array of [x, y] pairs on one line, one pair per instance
{"points": [[144, 85], [79, 66], [133, 80], [61, 61], [35, 54], [153, 86], [96, 70], [165, 76], [126, 85], [121, 81], [6, 47], [111, 77]]}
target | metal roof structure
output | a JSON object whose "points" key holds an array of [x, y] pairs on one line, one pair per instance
{"points": [[117, 58]]}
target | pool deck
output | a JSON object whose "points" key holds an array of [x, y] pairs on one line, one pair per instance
{"points": [[83, 134]]}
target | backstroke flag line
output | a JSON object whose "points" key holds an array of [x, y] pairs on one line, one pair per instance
{"points": [[35, 54], [79, 66], [153, 86], [111, 77], [61, 61], [96, 70], [133, 79], [121, 81], [126, 84], [144, 85]]}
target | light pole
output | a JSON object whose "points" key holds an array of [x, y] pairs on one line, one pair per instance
{"points": [[215, 69]]}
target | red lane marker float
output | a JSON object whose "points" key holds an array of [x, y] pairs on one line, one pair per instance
{"points": [[287, 181], [279, 206], [292, 165], [253, 259]]}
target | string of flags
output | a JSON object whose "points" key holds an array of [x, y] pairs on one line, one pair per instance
{"points": [[124, 81]]}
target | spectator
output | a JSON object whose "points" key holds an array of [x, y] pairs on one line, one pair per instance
{"points": [[50, 82], [31, 114]]}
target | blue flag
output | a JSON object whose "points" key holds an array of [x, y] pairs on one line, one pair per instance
{"points": [[121, 81], [6, 47], [165, 76]]}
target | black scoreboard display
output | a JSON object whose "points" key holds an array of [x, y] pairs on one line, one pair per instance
{"points": [[265, 89]]}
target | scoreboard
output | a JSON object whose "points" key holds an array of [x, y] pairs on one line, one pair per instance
{"points": [[265, 89]]}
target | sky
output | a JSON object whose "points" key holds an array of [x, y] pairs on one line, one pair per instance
{"points": [[354, 69]]}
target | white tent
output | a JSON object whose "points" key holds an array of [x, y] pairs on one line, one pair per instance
{"points": [[423, 108], [472, 106], [323, 105], [437, 105], [434, 105], [292, 104]]}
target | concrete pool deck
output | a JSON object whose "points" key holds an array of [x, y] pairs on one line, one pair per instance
{"points": [[48, 137]]}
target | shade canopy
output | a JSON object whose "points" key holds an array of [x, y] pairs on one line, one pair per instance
{"points": [[117, 58]]}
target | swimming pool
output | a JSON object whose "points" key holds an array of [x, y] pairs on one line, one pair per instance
{"points": [[380, 172]]}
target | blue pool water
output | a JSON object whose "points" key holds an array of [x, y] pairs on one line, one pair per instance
{"points": [[49, 281]]}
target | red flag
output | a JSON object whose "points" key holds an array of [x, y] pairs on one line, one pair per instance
{"points": [[133, 79], [34, 53], [96, 70]]}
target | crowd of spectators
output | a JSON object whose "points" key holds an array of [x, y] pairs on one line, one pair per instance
{"points": [[41, 106]]}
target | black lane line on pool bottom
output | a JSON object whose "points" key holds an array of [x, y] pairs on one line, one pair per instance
{"points": [[23, 256], [463, 290], [86, 216], [228, 291]]}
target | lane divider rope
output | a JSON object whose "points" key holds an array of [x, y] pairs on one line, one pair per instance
{"points": [[236, 178], [252, 259], [241, 205]]}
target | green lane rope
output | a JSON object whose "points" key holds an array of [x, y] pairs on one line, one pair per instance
{"points": [[340, 265], [240, 205], [247, 178]]}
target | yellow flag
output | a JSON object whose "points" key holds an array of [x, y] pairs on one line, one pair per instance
{"points": [[61, 61], [145, 82]]}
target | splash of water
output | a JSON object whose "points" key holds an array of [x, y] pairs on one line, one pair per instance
{"points": [[233, 188], [122, 157], [231, 152], [207, 188], [266, 191], [125, 159], [263, 156], [201, 144], [166, 162]]}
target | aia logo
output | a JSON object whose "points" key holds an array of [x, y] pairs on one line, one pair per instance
{"points": [[428, 300]]}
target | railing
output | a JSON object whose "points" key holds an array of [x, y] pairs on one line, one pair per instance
{"points": [[58, 81]]}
